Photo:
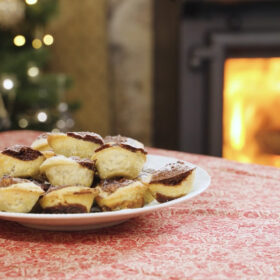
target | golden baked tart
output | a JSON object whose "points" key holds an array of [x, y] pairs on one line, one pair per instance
{"points": [[41, 143], [173, 181], [18, 195], [20, 161], [81, 144], [48, 154], [145, 177], [119, 157], [62, 171], [68, 199], [116, 194]]}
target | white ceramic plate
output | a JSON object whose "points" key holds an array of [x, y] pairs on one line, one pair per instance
{"points": [[76, 222]]}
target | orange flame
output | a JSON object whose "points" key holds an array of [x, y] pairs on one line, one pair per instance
{"points": [[237, 134], [251, 118]]}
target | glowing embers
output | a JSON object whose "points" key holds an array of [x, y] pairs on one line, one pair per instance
{"points": [[251, 110]]}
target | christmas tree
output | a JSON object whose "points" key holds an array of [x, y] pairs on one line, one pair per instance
{"points": [[30, 96]]}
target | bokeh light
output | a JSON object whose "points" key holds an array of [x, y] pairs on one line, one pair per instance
{"points": [[48, 39], [8, 84], [23, 123], [33, 71], [37, 43], [19, 40], [42, 116], [31, 2]]}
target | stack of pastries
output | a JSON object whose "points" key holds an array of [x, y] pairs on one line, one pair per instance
{"points": [[79, 172]]}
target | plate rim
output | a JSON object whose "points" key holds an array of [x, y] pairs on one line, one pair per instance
{"points": [[120, 213]]}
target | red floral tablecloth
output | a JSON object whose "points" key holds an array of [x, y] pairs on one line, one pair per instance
{"points": [[231, 231]]}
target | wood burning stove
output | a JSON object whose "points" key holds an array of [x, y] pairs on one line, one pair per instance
{"points": [[213, 35]]}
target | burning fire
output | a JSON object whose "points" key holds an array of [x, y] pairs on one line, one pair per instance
{"points": [[251, 110], [237, 132]]}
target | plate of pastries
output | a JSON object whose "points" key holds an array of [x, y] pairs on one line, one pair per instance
{"points": [[79, 180]]}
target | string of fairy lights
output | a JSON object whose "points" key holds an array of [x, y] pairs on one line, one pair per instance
{"points": [[19, 41], [8, 83]]}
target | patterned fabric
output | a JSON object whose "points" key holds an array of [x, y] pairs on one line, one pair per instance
{"points": [[231, 231], [17, 137]]}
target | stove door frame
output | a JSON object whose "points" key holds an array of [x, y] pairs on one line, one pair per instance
{"points": [[221, 46]]}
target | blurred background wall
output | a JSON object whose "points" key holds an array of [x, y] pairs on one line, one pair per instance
{"points": [[130, 67], [81, 50], [106, 46]]}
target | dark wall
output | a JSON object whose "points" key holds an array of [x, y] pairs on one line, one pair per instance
{"points": [[166, 72]]}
